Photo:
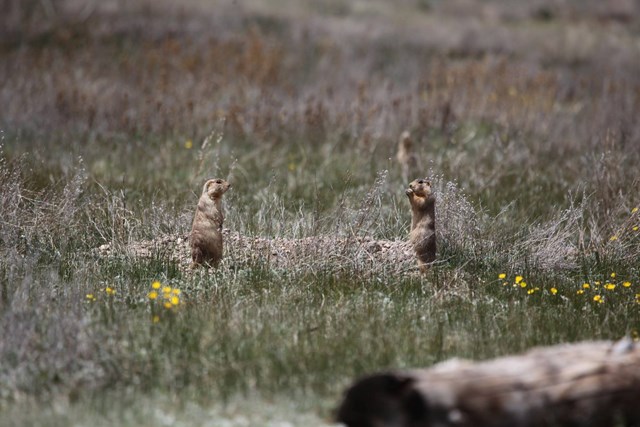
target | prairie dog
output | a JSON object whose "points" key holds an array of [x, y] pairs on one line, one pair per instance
{"points": [[423, 221], [407, 157], [206, 231]]}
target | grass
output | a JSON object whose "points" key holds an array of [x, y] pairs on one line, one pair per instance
{"points": [[111, 121]]}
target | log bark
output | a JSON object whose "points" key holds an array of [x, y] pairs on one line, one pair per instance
{"points": [[595, 384]]}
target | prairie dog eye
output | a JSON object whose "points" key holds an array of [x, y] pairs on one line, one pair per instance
{"points": [[421, 181], [218, 181]]}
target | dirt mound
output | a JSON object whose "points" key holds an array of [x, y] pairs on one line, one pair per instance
{"points": [[317, 252]]}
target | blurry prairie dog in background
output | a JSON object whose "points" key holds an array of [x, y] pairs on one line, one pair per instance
{"points": [[407, 157]]}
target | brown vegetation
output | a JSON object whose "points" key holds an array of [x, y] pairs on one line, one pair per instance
{"points": [[113, 113]]}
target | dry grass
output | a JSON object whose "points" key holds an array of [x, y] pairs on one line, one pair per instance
{"points": [[111, 118]]}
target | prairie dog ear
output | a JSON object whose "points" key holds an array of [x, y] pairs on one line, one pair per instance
{"points": [[206, 186]]}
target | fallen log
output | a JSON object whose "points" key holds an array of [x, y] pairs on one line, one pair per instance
{"points": [[595, 384]]}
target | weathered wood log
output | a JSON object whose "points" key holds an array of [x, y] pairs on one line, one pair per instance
{"points": [[594, 384]]}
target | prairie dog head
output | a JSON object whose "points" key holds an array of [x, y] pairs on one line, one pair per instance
{"points": [[215, 188], [420, 187]]}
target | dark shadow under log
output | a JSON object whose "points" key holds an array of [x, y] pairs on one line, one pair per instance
{"points": [[594, 384]]}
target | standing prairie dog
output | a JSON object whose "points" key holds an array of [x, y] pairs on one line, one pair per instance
{"points": [[206, 231], [407, 157], [423, 221]]}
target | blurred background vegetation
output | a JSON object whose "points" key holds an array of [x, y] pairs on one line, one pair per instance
{"points": [[113, 113]]}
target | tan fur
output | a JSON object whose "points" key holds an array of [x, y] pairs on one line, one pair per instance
{"points": [[407, 157], [206, 231], [423, 221]]}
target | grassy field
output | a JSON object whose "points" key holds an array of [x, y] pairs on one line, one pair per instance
{"points": [[113, 115]]}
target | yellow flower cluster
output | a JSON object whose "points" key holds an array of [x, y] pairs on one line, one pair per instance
{"points": [[166, 296], [519, 281], [597, 286], [110, 291], [609, 285]]}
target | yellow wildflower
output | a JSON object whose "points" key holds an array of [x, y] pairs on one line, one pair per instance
{"points": [[91, 297], [586, 285], [110, 291], [609, 286], [626, 284], [176, 291], [635, 228], [155, 319], [188, 144], [597, 283], [580, 292], [167, 305], [153, 295], [519, 279], [175, 300], [166, 290], [598, 298], [613, 275], [553, 291], [613, 238], [523, 284], [156, 285], [502, 276], [530, 291], [634, 210]]}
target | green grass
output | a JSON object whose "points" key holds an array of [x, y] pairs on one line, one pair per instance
{"points": [[535, 171]]}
